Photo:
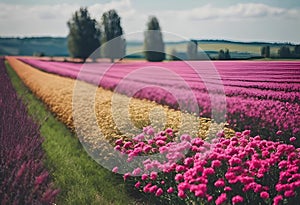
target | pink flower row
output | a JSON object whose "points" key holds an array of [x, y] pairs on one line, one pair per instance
{"points": [[243, 169]]}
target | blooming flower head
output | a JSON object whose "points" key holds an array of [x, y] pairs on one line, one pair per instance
{"points": [[264, 195], [221, 199], [237, 199]]}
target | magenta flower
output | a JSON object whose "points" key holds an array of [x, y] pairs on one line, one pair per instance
{"points": [[115, 170], [153, 175], [221, 199], [277, 199], [137, 185], [170, 190], [159, 192], [237, 199], [289, 193], [219, 183], [144, 177], [264, 195], [181, 194]]}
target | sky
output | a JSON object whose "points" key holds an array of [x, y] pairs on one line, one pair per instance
{"points": [[239, 20]]}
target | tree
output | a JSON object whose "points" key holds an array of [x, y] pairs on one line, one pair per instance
{"points": [[284, 52], [224, 55], [174, 55], [84, 34], [153, 41], [227, 54], [265, 51], [297, 51], [192, 50], [115, 44]]}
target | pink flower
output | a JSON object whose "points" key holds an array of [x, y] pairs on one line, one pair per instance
{"points": [[277, 199], [153, 189], [117, 148], [159, 192], [137, 185], [208, 171], [216, 163], [227, 188], [136, 171], [119, 142], [180, 168], [246, 132], [147, 148], [170, 190], [188, 161], [230, 175], [209, 198], [264, 195], [40, 179], [160, 143], [220, 183], [115, 169], [293, 139], [237, 199], [146, 188], [126, 176], [289, 193], [153, 175], [221, 199], [181, 194], [178, 177], [279, 132], [127, 145], [144, 177]]}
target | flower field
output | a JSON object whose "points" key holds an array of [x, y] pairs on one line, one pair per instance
{"points": [[178, 165], [57, 91], [23, 176], [261, 96]]}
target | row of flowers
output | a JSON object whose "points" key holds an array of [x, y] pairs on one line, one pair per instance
{"points": [[268, 107], [23, 176], [185, 170]]}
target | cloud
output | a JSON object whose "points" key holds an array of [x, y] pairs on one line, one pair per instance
{"points": [[234, 12], [253, 21], [35, 20], [123, 7]]}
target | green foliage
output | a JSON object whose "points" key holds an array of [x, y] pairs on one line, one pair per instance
{"points": [[80, 179], [84, 34], [114, 44], [224, 55], [153, 42], [297, 51], [265, 51], [192, 50], [174, 55], [284, 52]]}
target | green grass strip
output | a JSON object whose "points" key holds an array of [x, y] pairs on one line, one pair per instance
{"points": [[81, 180]]}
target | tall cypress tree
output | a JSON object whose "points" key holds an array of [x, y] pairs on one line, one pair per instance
{"points": [[114, 44], [84, 34], [153, 42]]}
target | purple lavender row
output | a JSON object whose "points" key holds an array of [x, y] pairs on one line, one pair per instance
{"points": [[23, 176]]}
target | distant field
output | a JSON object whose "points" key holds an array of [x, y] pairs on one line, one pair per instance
{"points": [[58, 47], [238, 49]]}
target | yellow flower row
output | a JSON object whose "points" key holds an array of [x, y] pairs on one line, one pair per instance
{"points": [[97, 114]]}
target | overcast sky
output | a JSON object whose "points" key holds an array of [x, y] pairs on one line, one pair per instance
{"points": [[254, 20]]}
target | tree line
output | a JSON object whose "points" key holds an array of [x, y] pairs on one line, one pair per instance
{"points": [[283, 52], [86, 35]]}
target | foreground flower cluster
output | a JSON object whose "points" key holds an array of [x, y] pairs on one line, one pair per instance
{"points": [[239, 170]]}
